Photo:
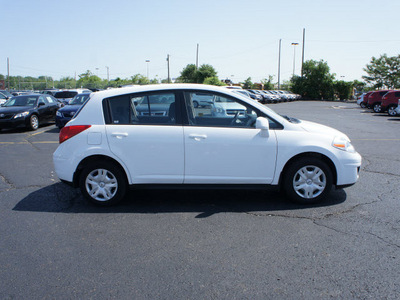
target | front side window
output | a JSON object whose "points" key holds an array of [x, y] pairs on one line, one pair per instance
{"points": [[146, 109], [211, 109]]}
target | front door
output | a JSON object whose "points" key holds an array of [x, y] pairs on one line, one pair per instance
{"points": [[222, 145]]}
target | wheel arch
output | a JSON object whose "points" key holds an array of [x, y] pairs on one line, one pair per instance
{"points": [[93, 158], [321, 156]]}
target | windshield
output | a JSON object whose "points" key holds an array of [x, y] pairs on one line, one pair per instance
{"points": [[6, 93], [79, 99], [21, 101]]}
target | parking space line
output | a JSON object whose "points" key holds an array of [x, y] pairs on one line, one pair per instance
{"points": [[21, 143], [376, 140]]}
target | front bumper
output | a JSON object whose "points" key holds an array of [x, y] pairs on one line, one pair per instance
{"points": [[12, 123]]}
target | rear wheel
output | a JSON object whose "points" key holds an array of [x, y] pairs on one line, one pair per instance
{"points": [[103, 183], [362, 104], [307, 180]]}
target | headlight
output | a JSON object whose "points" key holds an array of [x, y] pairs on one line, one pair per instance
{"points": [[343, 144], [58, 114], [218, 110], [20, 115]]}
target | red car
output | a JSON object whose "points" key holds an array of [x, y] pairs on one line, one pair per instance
{"points": [[390, 102], [375, 100], [363, 104]]}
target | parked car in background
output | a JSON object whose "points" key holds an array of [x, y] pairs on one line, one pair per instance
{"points": [[360, 99], [397, 110], [389, 102], [66, 113], [28, 111], [364, 102], [51, 91], [66, 95], [4, 96], [109, 146], [375, 100]]}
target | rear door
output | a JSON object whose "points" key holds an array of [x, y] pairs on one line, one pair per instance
{"points": [[145, 133]]}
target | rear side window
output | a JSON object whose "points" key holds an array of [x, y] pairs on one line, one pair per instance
{"points": [[397, 94], [143, 109]]}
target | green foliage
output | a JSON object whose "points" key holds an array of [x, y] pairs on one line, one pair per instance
{"points": [[383, 72], [268, 85], [248, 84], [316, 83], [139, 79], [213, 81], [89, 80], [343, 89], [192, 75]]}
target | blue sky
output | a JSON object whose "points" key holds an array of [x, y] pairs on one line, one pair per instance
{"points": [[239, 38]]}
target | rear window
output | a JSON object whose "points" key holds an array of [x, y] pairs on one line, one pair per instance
{"points": [[66, 94]]}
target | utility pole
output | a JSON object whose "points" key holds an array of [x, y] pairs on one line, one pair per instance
{"points": [[8, 72], [302, 59], [279, 65], [169, 79], [108, 74], [197, 57], [294, 57]]}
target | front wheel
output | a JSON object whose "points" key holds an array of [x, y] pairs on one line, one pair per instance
{"points": [[392, 111], [362, 104], [307, 180], [103, 183], [33, 122]]}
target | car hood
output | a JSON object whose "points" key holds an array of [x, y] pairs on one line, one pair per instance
{"points": [[321, 129], [70, 108], [14, 109]]}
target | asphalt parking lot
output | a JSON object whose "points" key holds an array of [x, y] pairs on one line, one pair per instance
{"points": [[203, 244]]}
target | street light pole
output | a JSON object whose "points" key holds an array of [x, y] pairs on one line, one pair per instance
{"points": [[294, 56], [108, 74], [147, 62], [279, 66]]}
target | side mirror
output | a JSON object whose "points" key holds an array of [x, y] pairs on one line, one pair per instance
{"points": [[263, 124], [41, 104]]}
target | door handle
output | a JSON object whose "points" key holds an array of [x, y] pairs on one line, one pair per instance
{"points": [[119, 135], [198, 137]]}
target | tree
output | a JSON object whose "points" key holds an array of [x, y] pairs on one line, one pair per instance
{"points": [[383, 72], [267, 83], [248, 84], [213, 81], [343, 89], [189, 74], [89, 80], [316, 83], [139, 79], [192, 75], [205, 71]]}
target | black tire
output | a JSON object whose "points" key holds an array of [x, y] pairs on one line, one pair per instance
{"points": [[362, 104], [392, 110], [33, 122], [103, 183], [377, 107], [316, 184]]}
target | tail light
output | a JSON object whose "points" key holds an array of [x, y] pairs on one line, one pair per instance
{"points": [[70, 131]]}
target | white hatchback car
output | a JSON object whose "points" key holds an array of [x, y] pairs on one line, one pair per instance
{"points": [[154, 136]]}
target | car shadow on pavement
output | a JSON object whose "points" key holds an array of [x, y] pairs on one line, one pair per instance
{"points": [[61, 198]]}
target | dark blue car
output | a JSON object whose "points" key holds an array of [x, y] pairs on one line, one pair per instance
{"points": [[67, 112]]}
